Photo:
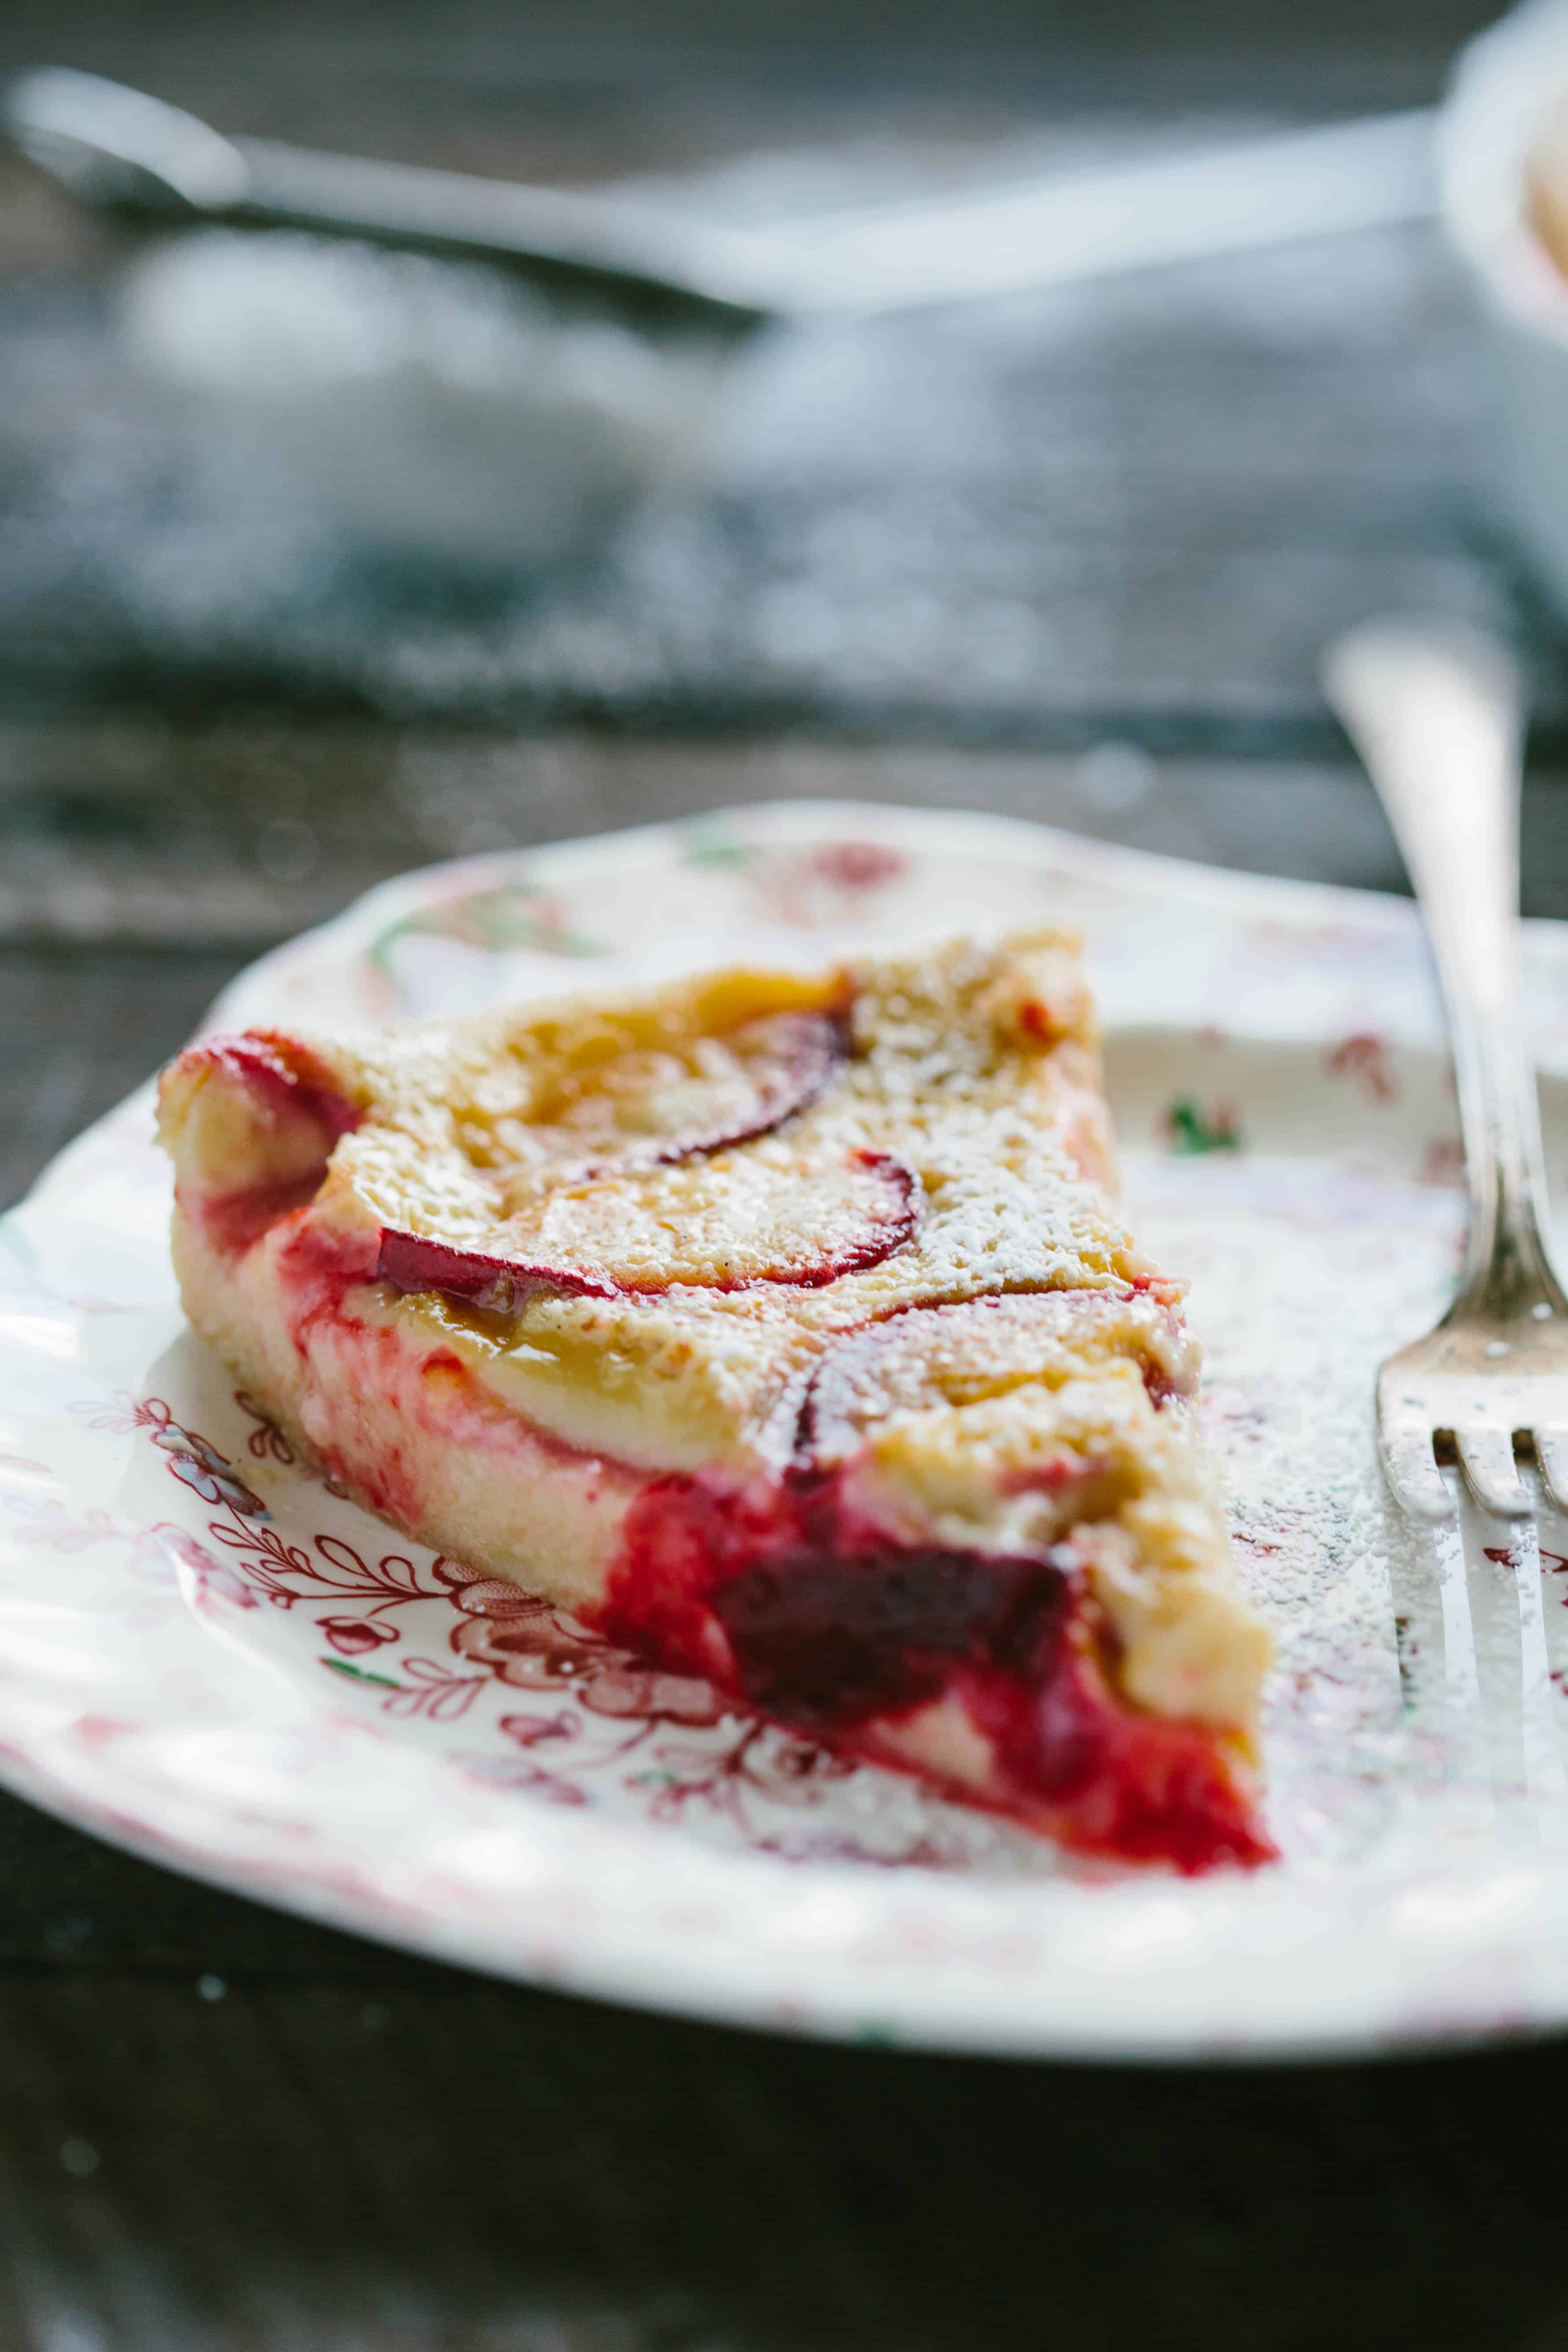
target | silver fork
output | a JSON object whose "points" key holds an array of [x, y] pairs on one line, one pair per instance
{"points": [[1436, 714]]}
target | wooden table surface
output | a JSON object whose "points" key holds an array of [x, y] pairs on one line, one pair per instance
{"points": [[1069, 558]]}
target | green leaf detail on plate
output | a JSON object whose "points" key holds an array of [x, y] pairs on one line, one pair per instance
{"points": [[521, 916], [358, 1674], [716, 849], [1192, 1131]]}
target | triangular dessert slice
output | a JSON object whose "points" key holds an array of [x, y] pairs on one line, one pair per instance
{"points": [[783, 1329]]}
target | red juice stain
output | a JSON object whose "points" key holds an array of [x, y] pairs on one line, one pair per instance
{"points": [[827, 1623]]}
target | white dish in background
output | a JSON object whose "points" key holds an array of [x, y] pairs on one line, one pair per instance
{"points": [[210, 1658], [1503, 84]]}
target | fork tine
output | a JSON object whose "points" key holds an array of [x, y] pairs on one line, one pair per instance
{"points": [[1551, 1452], [1487, 1457], [1411, 1469]]}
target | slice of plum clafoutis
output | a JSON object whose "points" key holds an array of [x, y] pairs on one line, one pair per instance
{"points": [[783, 1329]]}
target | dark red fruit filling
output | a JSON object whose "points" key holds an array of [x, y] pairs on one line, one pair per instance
{"points": [[236, 1219], [304, 1111], [798, 1052], [282, 1073], [888, 1227], [826, 1622], [1111, 1780], [828, 1642], [890, 1362], [413, 1262]]}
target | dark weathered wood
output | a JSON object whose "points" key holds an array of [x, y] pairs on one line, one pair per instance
{"points": [[454, 2166], [1136, 509], [230, 831], [586, 88]]}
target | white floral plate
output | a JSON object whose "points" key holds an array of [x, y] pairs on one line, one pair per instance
{"points": [[213, 1659]]}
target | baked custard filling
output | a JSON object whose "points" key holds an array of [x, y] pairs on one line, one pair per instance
{"points": [[781, 1328]]}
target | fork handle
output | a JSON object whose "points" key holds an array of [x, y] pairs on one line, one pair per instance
{"points": [[1437, 713]]}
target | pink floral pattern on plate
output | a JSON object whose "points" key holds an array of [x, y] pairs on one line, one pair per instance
{"points": [[668, 1747]]}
